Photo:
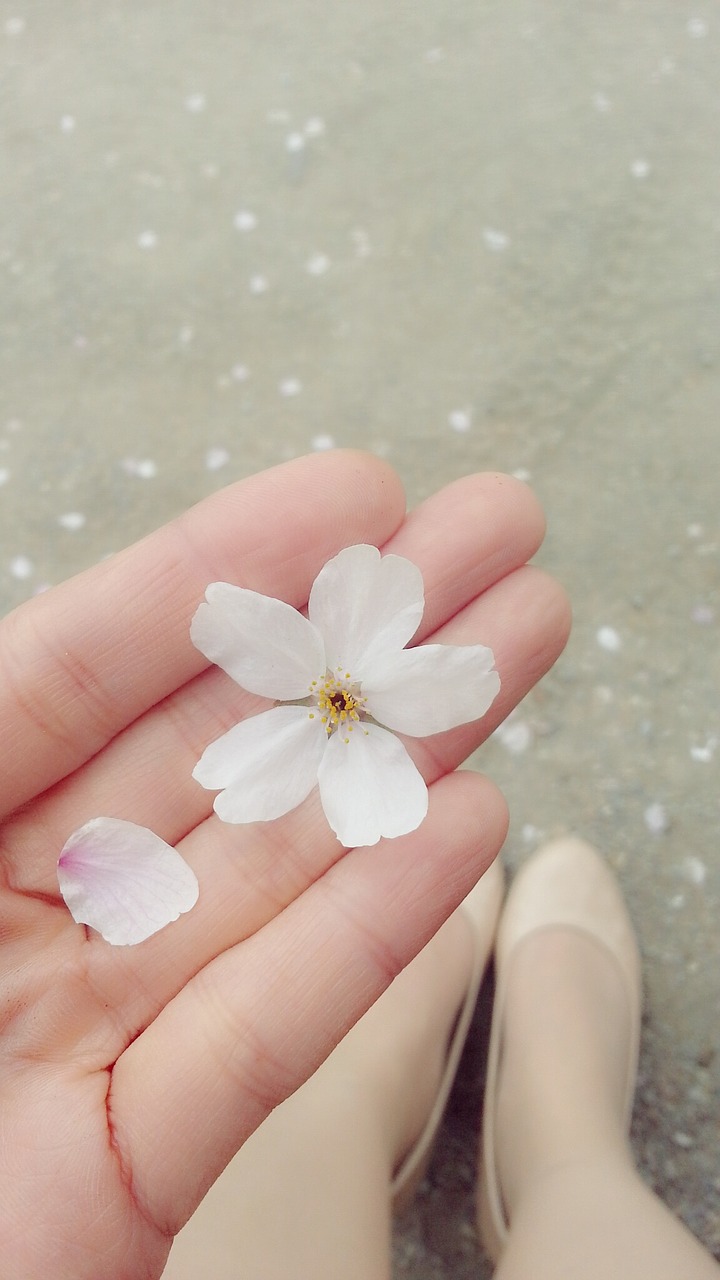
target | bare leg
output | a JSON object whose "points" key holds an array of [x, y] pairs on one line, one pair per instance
{"points": [[309, 1195], [576, 1205]]}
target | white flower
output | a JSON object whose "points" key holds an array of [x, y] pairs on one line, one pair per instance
{"points": [[347, 681], [123, 880]]}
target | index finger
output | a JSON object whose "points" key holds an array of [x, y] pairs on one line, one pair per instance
{"points": [[83, 661]]}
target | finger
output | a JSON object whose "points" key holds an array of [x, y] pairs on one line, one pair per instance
{"points": [[260, 1019], [526, 621], [463, 539], [84, 660], [466, 538]]}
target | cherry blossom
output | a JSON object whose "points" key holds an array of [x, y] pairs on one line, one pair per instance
{"points": [[345, 685]]}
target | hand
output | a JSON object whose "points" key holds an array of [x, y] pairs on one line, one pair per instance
{"points": [[129, 1076]]}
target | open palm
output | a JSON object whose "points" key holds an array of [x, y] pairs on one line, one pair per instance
{"points": [[130, 1076]]}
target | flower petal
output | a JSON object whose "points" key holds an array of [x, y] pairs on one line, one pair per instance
{"points": [[267, 763], [264, 644], [364, 605], [369, 787], [123, 880], [432, 688]]}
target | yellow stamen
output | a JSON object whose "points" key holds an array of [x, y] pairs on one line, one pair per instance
{"points": [[339, 700]]}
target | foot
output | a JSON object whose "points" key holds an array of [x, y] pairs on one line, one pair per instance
{"points": [[564, 1038], [562, 1085]]}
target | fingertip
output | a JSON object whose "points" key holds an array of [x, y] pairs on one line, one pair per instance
{"points": [[526, 621], [481, 812], [509, 499], [357, 470], [469, 536], [557, 609], [520, 492]]}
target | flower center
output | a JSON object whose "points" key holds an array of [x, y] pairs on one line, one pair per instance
{"points": [[339, 701]]}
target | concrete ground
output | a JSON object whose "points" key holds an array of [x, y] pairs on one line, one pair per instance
{"points": [[464, 235]]}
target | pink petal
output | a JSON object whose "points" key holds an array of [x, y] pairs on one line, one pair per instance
{"points": [[123, 880]]}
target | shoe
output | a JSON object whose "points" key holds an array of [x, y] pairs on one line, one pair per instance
{"points": [[565, 885], [482, 908]]}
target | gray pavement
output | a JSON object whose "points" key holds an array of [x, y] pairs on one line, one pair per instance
{"points": [[464, 235]]}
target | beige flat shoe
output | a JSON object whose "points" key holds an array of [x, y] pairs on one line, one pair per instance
{"points": [[482, 908], [565, 885]]}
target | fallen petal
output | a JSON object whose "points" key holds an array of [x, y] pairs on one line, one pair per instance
{"points": [[365, 604], [123, 880], [264, 644], [369, 787], [432, 688]]}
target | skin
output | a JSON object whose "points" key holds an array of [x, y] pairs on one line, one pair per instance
{"points": [[129, 1076]]}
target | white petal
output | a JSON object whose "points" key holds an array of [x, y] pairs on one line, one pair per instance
{"points": [[369, 787], [364, 605], [267, 763], [123, 880], [432, 688], [264, 644]]}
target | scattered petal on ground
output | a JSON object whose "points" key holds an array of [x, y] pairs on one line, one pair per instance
{"points": [[72, 520], [609, 639]]}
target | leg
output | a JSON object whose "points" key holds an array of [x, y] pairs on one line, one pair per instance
{"points": [[576, 1205], [309, 1196]]}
